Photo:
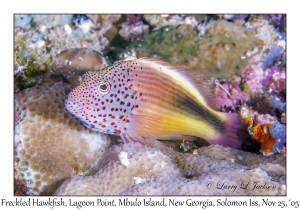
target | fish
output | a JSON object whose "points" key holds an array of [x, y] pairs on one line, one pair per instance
{"points": [[147, 99]]}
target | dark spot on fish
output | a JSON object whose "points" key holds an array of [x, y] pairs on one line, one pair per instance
{"points": [[197, 109]]}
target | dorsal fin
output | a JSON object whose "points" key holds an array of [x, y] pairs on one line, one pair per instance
{"points": [[205, 86]]}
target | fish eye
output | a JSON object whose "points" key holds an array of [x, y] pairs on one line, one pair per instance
{"points": [[103, 88]]}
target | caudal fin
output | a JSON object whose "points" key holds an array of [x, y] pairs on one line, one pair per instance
{"points": [[236, 135]]}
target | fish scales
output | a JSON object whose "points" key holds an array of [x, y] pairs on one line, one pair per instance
{"points": [[145, 99]]}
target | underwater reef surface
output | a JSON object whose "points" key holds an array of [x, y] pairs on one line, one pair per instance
{"points": [[56, 154], [245, 57]]}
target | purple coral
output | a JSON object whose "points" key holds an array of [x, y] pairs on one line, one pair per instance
{"points": [[274, 54], [229, 96], [235, 16], [257, 80], [274, 80], [133, 28], [134, 19], [278, 131], [253, 76]]}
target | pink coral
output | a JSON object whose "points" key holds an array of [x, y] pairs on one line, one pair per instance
{"points": [[253, 76], [229, 96], [274, 80]]}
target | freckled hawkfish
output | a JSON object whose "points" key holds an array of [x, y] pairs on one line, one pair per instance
{"points": [[146, 99]]}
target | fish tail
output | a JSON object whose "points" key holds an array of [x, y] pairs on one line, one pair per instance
{"points": [[235, 135]]}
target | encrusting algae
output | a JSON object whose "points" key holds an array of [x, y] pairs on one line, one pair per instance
{"points": [[146, 99]]}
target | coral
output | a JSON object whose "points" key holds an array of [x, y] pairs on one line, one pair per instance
{"points": [[229, 95], [277, 103], [35, 49], [234, 16], [133, 31], [83, 22], [51, 144], [72, 63], [248, 88], [279, 21], [275, 54], [265, 31], [159, 21], [222, 52], [20, 188], [54, 150], [278, 131], [135, 169], [275, 81], [253, 76], [266, 130]]}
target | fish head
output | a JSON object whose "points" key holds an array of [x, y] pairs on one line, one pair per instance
{"points": [[102, 101]]}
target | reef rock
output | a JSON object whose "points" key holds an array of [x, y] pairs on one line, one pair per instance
{"points": [[223, 50], [51, 145], [135, 169], [74, 62]]}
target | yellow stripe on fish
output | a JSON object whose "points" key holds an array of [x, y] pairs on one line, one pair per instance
{"points": [[145, 99]]}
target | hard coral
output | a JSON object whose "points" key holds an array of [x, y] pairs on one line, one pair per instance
{"points": [[135, 169], [51, 144]]}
